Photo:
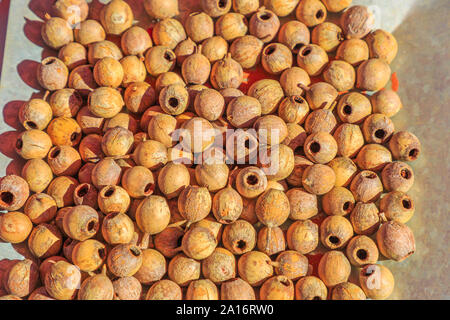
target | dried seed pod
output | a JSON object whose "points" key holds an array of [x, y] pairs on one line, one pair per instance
{"points": [[382, 45], [64, 131], [122, 120], [216, 8], [52, 74], [300, 164], [220, 266], [320, 147], [14, 191], [40, 208], [227, 205], [294, 80], [373, 75], [311, 12], [65, 102], [35, 114], [320, 120], [209, 104], [313, 59], [269, 93], [174, 99], [236, 289], [310, 288], [295, 139], [64, 161], [271, 130], [196, 68], [105, 102], [349, 139], [335, 232], [133, 69], [108, 72], [168, 241], [327, 35], [295, 35], [338, 202], [386, 102], [245, 7], [138, 182], [246, 51], [38, 174], [303, 236], [239, 237], [116, 17], [264, 25], [124, 260], [62, 280], [212, 176], [303, 204], [45, 241], [291, 264], [214, 49], [40, 294], [85, 194], [277, 288], [347, 291], [153, 267], [340, 74], [74, 11], [336, 5], [127, 288], [186, 48], [81, 222], [276, 58], [344, 169], [373, 157], [251, 182], [281, 8], [278, 162], [153, 214], [321, 95], [199, 26], [159, 60], [106, 172], [395, 240], [150, 154], [197, 135], [377, 281], [271, 240], [161, 128], [198, 243], [117, 228], [357, 22], [366, 186], [14, 227], [255, 267], [397, 206], [82, 79], [353, 51], [231, 26], [135, 41], [365, 218], [161, 10], [397, 176], [103, 49], [89, 31], [85, 173], [334, 268], [73, 55], [194, 203], [166, 79], [56, 32], [89, 255], [405, 146], [164, 290], [113, 199], [117, 142], [377, 128], [96, 287], [168, 32], [243, 111], [318, 179], [139, 96], [203, 289], [211, 224], [226, 73], [362, 250], [183, 270], [353, 107]]}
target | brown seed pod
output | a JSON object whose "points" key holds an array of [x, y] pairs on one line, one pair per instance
{"points": [[294, 80], [133, 70], [168, 241], [236, 289], [161, 10], [211, 224], [271, 130], [203, 289], [166, 79], [340, 74], [209, 104], [96, 287], [251, 182], [14, 191], [85, 173], [52, 74], [103, 49], [334, 268], [366, 186], [281, 8], [382, 45], [254, 267], [335, 232], [196, 68], [264, 25], [56, 32], [365, 218], [62, 280], [150, 154], [172, 179], [347, 291], [117, 142], [349, 139], [135, 41], [116, 17], [85, 194], [105, 102], [81, 222], [194, 203], [344, 169], [127, 288], [64, 131], [33, 144], [246, 51], [153, 214], [74, 11], [216, 8], [278, 162], [108, 72], [397, 206], [168, 32], [239, 237], [117, 228], [320, 147], [295, 139], [139, 96], [303, 236], [313, 59], [35, 114], [405, 146], [124, 260], [336, 5], [277, 288], [198, 243], [159, 59], [122, 120], [106, 172], [40, 208], [327, 35], [226, 73], [245, 7], [40, 294], [73, 55], [321, 95], [212, 176], [14, 227], [303, 204], [353, 107], [338, 202], [113, 199], [231, 26], [164, 290], [82, 79], [271, 240], [89, 31], [397, 176], [186, 48], [373, 75], [395, 240], [153, 267], [22, 278], [227, 205], [138, 182], [269, 93], [161, 128], [199, 26], [311, 12], [318, 179], [182, 270], [174, 99], [320, 120], [377, 128], [300, 164], [243, 111], [386, 102], [276, 58], [89, 255], [310, 288], [291, 264], [353, 51], [197, 135], [214, 48], [377, 281], [220, 266], [362, 250], [295, 35], [357, 22], [65, 102], [38, 174], [373, 157], [45, 241], [64, 161]]}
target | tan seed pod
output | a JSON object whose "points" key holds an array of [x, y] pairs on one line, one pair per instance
{"points": [[124, 260], [294, 80], [227, 205], [246, 50], [64, 160], [397, 176], [220, 266], [172, 179], [353, 51], [303, 204], [194, 203], [116, 17], [366, 186], [405, 146], [313, 59], [357, 22], [335, 232], [311, 12], [353, 107], [327, 35], [108, 72], [101, 49], [271, 130], [387, 102], [269, 93], [198, 243], [239, 237], [38, 174], [63, 280], [199, 26], [303, 236], [344, 169], [89, 31], [320, 120], [89, 255], [373, 75], [349, 139], [35, 114], [226, 73], [133, 70], [105, 102], [245, 7], [196, 68], [96, 287], [161, 10], [65, 102], [365, 218], [74, 11], [397, 206], [340, 74], [135, 41], [264, 25], [291, 264], [382, 45], [82, 79], [150, 154], [347, 291], [377, 281], [33, 144], [231, 26], [44, 241], [56, 32], [395, 240], [321, 95], [254, 267], [168, 32], [85, 194], [127, 288], [373, 157], [106, 172], [153, 267], [310, 288], [214, 48], [334, 268], [277, 288], [336, 5], [183, 270], [73, 55], [216, 8], [52, 74], [318, 179], [338, 202], [362, 250], [320, 147], [159, 60], [276, 58], [174, 99], [203, 289], [271, 240]]}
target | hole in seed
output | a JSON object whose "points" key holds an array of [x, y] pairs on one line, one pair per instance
{"points": [[298, 151], [284, 282], [48, 62], [91, 225], [241, 244], [101, 253], [334, 239], [299, 99], [380, 133], [406, 204], [413, 154], [56, 152], [173, 102], [306, 51], [347, 109], [317, 298], [347, 206], [109, 192], [270, 50], [7, 197], [222, 3], [298, 46], [74, 136], [406, 174], [83, 191], [135, 251], [370, 175], [265, 16], [19, 144], [314, 147], [31, 125], [247, 144], [319, 14], [252, 179], [148, 188], [361, 254], [168, 56]]}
